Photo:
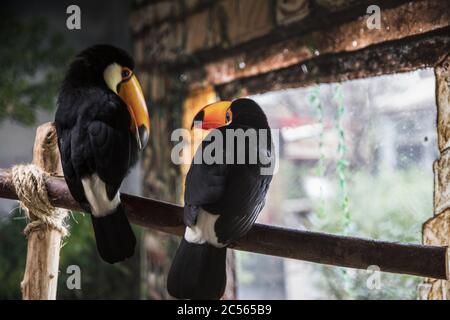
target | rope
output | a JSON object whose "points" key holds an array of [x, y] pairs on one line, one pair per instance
{"points": [[30, 185]]}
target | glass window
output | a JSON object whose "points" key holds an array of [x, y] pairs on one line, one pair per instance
{"points": [[355, 159]]}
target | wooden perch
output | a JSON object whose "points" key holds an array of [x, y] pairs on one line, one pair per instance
{"points": [[419, 260], [40, 278]]}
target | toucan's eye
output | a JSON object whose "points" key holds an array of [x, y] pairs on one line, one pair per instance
{"points": [[126, 73], [228, 116]]}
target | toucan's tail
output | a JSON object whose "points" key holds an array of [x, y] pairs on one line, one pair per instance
{"points": [[114, 236], [197, 272]]}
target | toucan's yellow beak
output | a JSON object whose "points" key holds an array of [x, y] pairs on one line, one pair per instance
{"points": [[214, 116], [131, 93]]}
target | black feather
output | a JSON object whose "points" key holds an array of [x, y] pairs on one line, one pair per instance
{"points": [[234, 192], [114, 237], [94, 137], [197, 272]]}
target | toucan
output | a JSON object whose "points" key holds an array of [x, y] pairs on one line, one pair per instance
{"points": [[222, 198], [102, 123]]}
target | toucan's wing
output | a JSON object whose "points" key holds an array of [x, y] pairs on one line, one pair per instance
{"points": [[244, 200], [111, 154], [98, 141], [244, 195], [113, 148], [234, 192], [70, 173], [205, 184]]}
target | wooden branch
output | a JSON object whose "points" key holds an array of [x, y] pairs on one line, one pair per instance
{"points": [[41, 272], [425, 261]]}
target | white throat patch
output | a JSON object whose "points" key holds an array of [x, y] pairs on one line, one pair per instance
{"points": [[113, 76]]}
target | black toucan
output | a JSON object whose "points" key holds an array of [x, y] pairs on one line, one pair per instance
{"points": [[102, 123], [222, 198]]}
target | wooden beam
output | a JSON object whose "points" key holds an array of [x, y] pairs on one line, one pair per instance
{"points": [[141, 23], [410, 19], [425, 261], [391, 57], [320, 33]]}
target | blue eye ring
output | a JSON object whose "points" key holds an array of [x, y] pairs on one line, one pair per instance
{"points": [[126, 73], [228, 116]]}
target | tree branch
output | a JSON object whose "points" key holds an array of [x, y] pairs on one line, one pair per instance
{"points": [[425, 261]]}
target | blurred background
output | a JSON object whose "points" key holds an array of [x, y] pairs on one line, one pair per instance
{"points": [[355, 156], [356, 159]]}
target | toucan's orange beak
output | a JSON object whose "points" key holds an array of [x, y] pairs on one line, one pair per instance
{"points": [[131, 93], [214, 116]]}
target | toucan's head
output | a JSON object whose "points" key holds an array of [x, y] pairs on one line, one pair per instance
{"points": [[223, 113], [112, 68]]}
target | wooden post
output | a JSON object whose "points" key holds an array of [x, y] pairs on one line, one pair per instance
{"points": [[41, 271], [436, 231]]}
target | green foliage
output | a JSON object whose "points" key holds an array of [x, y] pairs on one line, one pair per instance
{"points": [[315, 102], [387, 204], [99, 280], [31, 69], [13, 249], [342, 163]]}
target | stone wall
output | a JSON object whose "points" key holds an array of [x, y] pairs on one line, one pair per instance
{"points": [[436, 231]]}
